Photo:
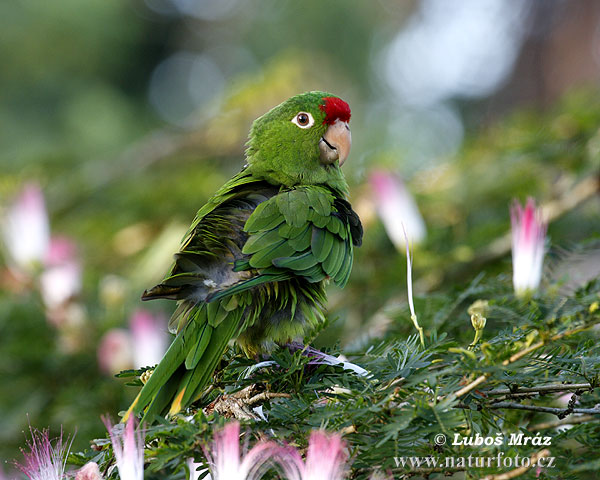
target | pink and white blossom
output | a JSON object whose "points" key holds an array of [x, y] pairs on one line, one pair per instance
{"points": [[45, 460], [61, 279], [142, 345], [528, 236], [89, 471], [115, 351], [224, 456], [128, 447], [26, 230], [395, 207], [326, 459], [149, 337]]}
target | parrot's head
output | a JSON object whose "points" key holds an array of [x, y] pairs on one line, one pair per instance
{"points": [[302, 141]]}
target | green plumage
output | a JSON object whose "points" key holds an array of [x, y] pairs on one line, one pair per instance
{"points": [[254, 261]]}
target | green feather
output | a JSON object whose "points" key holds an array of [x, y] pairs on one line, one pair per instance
{"points": [[320, 200], [264, 258], [198, 350], [300, 262], [302, 241], [317, 219], [334, 261], [259, 241], [321, 243], [313, 274], [341, 277], [336, 226]]}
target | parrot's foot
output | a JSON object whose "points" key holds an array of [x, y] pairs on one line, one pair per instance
{"points": [[245, 404], [320, 358]]}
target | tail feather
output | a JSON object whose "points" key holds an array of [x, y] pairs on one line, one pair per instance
{"points": [[200, 376], [161, 400], [165, 291], [188, 365], [171, 361]]}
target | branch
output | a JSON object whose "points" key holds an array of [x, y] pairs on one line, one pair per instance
{"points": [[240, 404], [536, 408], [535, 458], [563, 421], [466, 389], [426, 471], [517, 356], [264, 396], [584, 190], [541, 389]]}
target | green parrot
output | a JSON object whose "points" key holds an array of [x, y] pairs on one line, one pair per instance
{"points": [[255, 261]]}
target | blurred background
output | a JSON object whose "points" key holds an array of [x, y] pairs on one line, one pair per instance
{"points": [[119, 119]]}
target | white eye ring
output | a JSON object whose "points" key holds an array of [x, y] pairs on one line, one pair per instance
{"points": [[303, 120]]}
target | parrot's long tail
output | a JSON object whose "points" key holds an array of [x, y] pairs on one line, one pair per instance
{"points": [[187, 367]]}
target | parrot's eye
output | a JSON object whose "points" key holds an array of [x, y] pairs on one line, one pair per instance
{"points": [[303, 120]]}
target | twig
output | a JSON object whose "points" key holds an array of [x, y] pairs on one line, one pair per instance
{"points": [[348, 430], [541, 389], [264, 396], [552, 210], [136, 157], [569, 200], [517, 356], [536, 408], [239, 404], [427, 471], [466, 389], [564, 421], [535, 458]]}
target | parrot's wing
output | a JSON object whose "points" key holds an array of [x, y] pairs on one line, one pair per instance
{"points": [[205, 264], [237, 186], [304, 232]]}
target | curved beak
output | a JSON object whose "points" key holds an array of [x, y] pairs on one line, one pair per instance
{"points": [[335, 143]]}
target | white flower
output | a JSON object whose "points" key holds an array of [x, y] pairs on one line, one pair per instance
{"points": [[128, 446], [528, 236], [26, 230], [396, 206]]}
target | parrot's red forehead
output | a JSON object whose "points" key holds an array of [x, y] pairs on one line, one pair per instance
{"points": [[335, 108]]}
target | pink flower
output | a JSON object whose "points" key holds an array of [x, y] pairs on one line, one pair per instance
{"points": [[528, 236], [224, 456], [61, 279], [326, 459], [26, 230], [396, 206], [33, 254], [45, 461], [89, 471], [115, 351], [149, 337], [128, 447], [142, 345]]}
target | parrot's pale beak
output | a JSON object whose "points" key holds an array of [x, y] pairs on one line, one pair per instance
{"points": [[336, 143]]}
